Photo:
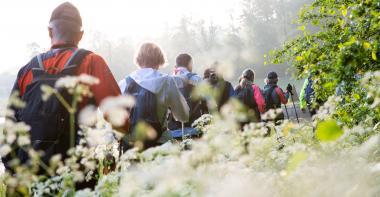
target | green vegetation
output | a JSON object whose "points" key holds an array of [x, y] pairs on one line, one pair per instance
{"points": [[335, 154], [339, 44]]}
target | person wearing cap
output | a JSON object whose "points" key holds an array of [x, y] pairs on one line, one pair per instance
{"points": [[250, 94], [274, 95], [47, 119]]}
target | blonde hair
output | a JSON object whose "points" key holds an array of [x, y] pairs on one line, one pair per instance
{"points": [[150, 55]]}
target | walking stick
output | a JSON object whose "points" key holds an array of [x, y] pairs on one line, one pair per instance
{"points": [[294, 106], [286, 110], [183, 131]]}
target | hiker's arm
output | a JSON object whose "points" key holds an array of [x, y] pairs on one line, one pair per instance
{"points": [[107, 84], [195, 80], [177, 102], [282, 96], [303, 95]]}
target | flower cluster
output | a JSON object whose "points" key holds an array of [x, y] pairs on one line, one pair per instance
{"points": [[261, 159]]}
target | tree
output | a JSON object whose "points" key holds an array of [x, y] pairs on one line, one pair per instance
{"points": [[339, 43]]}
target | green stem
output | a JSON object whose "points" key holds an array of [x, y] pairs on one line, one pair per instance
{"points": [[72, 112], [72, 130], [63, 101]]}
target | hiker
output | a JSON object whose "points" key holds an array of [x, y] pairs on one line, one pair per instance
{"points": [[274, 96], [224, 88], [186, 80], [307, 97], [155, 93], [49, 120], [250, 95]]}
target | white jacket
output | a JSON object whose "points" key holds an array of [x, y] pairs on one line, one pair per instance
{"points": [[180, 77], [166, 90]]}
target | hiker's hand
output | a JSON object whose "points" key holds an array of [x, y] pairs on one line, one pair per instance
{"points": [[289, 88]]}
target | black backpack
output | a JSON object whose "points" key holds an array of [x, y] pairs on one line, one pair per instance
{"points": [[269, 103], [145, 111], [245, 95], [49, 120], [196, 106]]}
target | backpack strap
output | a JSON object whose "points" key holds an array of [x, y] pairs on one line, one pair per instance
{"points": [[76, 58], [40, 63], [129, 84]]}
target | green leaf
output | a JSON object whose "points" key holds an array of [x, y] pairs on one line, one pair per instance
{"points": [[344, 11], [350, 42], [374, 57], [356, 96], [302, 28], [299, 58], [328, 131], [366, 45]]}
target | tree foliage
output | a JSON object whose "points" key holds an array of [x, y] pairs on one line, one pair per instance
{"points": [[340, 42]]}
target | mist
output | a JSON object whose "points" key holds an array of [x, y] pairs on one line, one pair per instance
{"points": [[237, 36]]}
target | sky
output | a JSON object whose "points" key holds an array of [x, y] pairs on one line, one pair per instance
{"points": [[25, 21]]}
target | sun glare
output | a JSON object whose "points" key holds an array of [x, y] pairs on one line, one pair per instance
{"points": [[24, 21]]}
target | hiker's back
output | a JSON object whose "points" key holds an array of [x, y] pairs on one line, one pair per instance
{"points": [[272, 100], [49, 120], [245, 94], [145, 111], [196, 106]]}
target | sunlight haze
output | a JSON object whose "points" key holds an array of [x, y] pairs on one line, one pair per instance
{"points": [[25, 22]]}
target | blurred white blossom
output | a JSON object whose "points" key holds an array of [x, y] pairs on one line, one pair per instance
{"points": [[115, 109]]}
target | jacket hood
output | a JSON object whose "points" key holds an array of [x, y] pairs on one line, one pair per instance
{"points": [[150, 79]]}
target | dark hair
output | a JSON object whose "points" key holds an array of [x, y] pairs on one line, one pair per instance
{"points": [[183, 60], [211, 76], [248, 74]]}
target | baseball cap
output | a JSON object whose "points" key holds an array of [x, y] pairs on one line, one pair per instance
{"points": [[272, 75]]}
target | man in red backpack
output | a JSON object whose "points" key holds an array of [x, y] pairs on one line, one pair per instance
{"points": [[274, 95], [250, 95], [49, 119]]}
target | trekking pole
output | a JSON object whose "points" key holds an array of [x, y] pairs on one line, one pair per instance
{"points": [[286, 110], [295, 109], [183, 131]]}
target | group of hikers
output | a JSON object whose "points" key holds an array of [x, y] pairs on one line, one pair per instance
{"points": [[164, 102]]}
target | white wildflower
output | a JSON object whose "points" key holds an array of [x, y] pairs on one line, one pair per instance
{"points": [[97, 137], [88, 79], [4, 150], [88, 116], [115, 109], [23, 140], [47, 92], [55, 159], [70, 82], [67, 82], [10, 138]]}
